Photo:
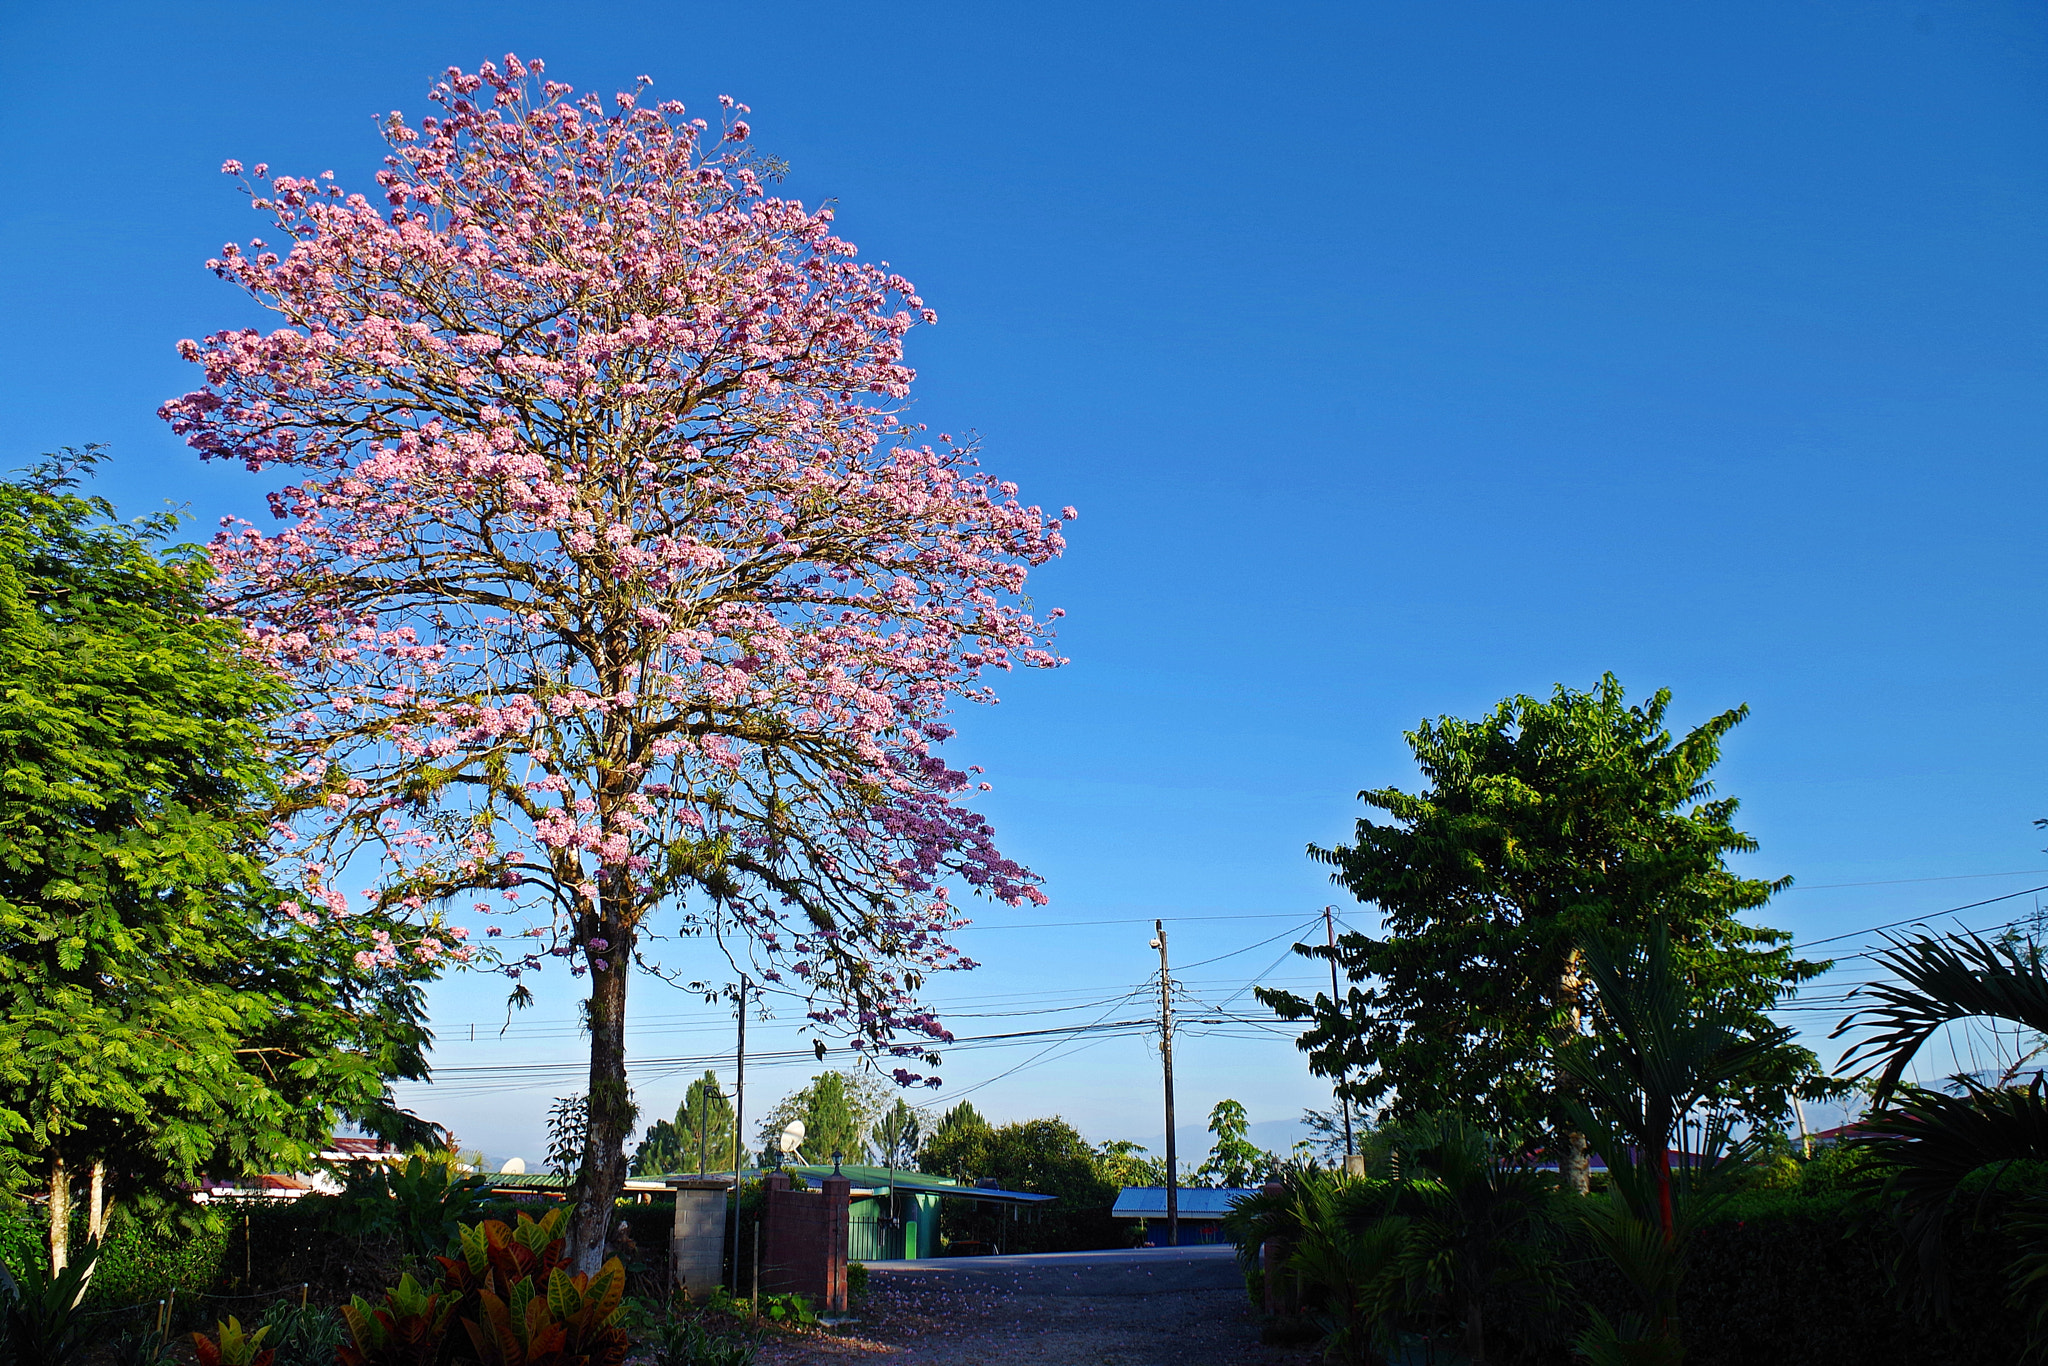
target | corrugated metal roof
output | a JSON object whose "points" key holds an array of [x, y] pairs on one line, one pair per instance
{"points": [[871, 1180], [550, 1181], [1149, 1202], [880, 1178]]}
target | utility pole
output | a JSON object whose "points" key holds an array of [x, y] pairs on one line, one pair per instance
{"points": [[1166, 1059], [1343, 1104], [739, 1112]]}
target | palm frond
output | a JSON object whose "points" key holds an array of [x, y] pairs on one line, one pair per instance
{"points": [[1930, 1143], [1954, 977]]}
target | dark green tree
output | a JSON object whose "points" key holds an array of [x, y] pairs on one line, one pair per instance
{"points": [[1540, 825], [164, 1010], [1932, 1147], [838, 1110], [962, 1115], [1043, 1156], [698, 1139], [1234, 1160]]}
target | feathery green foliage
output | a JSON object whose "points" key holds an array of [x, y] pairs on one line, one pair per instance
{"points": [[1540, 823], [161, 1010]]}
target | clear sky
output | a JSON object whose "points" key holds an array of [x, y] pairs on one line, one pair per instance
{"points": [[1399, 356]]}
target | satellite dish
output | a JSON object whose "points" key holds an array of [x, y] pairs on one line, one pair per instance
{"points": [[514, 1166], [792, 1137]]}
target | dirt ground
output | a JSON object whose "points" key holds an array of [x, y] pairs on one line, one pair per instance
{"points": [[1148, 1308]]}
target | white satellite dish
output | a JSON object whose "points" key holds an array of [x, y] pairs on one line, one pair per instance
{"points": [[514, 1166], [792, 1137]]}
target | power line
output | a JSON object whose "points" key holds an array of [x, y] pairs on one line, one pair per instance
{"points": [[1903, 881], [1913, 919], [1292, 929]]}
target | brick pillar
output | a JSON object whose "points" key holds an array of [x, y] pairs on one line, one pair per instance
{"points": [[696, 1249], [837, 1227]]}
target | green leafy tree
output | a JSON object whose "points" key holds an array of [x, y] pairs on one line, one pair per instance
{"points": [[1483, 1231], [1043, 1156], [1540, 824], [164, 1010], [1234, 1160], [1125, 1163], [698, 1139]]}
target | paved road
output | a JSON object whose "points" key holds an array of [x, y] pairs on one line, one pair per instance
{"points": [[1142, 1307], [1134, 1271]]}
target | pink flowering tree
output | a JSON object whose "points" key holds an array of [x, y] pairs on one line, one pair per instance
{"points": [[621, 600]]}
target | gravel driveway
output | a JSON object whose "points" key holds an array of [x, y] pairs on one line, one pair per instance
{"points": [[1146, 1307]]}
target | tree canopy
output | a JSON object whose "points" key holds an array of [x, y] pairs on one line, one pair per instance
{"points": [[840, 1111], [698, 1139], [1044, 1156], [612, 576], [1233, 1160], [164, 1010], [1539, 825]]}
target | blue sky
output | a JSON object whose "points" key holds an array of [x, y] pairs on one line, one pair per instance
{"points": [[1398, 356]]}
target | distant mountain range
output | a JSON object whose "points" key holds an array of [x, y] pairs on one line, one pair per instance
{"points": [[1192, 1140]]}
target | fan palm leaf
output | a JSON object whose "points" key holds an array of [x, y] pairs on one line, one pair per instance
{"points": [[1942, 980]]}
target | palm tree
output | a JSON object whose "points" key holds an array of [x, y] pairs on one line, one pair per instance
{"points": [[1654, 1058], [1930, 1144], [1479, 1227]]}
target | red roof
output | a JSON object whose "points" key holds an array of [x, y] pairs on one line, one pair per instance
{"points": [[347, 1148]]}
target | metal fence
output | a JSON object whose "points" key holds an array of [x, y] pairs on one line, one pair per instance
{"points": [[872, 1236]]}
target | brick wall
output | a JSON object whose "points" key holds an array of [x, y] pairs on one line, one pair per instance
{"points": [[803, 1241]]}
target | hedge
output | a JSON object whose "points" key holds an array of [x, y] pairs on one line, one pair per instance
{"points": [[1807, 1279]]}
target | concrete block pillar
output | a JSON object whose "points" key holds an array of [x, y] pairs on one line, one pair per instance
{"points": [[696, 1249]]}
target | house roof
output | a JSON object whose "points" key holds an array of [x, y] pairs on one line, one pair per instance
{"points": [[1149, 1202], [268, 1183], [551, 1181], [868, 1181], [350, 1149]]}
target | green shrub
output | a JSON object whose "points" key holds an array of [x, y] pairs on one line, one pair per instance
{"points": [[303, 1335]]}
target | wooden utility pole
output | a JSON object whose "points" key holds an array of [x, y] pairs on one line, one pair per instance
{"points": [[739, 1112], [1166, 1059], [1343, 1104]]}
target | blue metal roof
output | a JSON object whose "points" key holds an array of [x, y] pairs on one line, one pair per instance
{"points": [[1149, 1202]]}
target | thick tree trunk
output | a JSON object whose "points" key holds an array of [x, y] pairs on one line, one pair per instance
{"points": [[96, 1203], [60, 1212], [1576, 1161], [610, 1111]]}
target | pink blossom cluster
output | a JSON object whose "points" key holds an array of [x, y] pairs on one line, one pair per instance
{"points": [[612, 576]]}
